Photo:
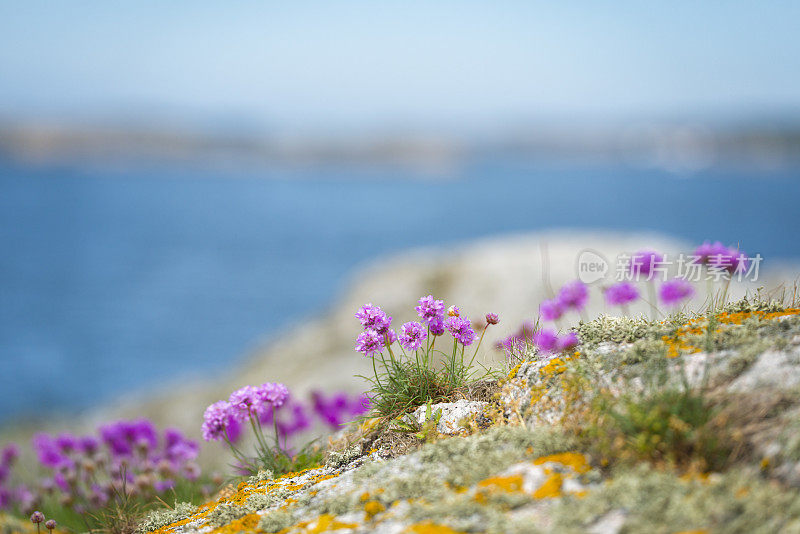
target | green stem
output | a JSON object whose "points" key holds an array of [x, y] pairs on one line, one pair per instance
{"points": [[236, 452], [375, 370], [275, 428], [479, 344]]}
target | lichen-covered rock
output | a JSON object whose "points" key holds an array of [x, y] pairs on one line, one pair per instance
{"points": [[684, 425], [772, 369], [454, 415]]}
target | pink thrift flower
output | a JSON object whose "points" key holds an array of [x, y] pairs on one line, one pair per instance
{"points": [[215, 420], [412, 335], [369, 342], [461, 329], [372, 317], [567, 342], [573, 295], [621, 294], [429, 308], [546, 340], [551, 310], [673, 292], [644, 262]]}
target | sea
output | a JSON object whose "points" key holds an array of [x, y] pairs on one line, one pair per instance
{"points": [[117, 279]]}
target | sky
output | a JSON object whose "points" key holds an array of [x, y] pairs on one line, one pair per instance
{"points": [[304, 65]]}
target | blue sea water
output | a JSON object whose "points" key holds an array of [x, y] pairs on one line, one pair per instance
{"points": [[112, 281]]}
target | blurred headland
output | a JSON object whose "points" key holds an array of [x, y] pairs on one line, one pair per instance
{"points": [[762, 141]]}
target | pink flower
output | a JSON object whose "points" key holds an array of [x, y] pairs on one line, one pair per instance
{"points": [[412, 335], [673, 292], [621, 294], [429, 308], [546, 340], [461, 329], [551, 310], [567, 342], [573, 295], [645, 261], [369, 342]]}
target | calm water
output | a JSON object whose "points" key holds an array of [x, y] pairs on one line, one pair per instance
{"points": [[110, 282]]}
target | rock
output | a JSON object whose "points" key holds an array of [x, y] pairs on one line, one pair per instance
{"points": [[772, 370], [453, 414], [610, 523]]}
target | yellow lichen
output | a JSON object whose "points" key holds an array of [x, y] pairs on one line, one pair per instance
{"points": [[513, 373], [373, 508], [430, 528], [678, 344], [550, 488], [508, 483], [576, 461], [248, 523], [324, 523]]}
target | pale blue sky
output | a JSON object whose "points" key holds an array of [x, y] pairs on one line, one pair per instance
{"points": [[299, 64]]}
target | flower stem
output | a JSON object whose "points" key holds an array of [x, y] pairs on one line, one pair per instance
{"points": [[651, 293]]}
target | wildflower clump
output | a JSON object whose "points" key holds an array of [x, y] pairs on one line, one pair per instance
{"points": [[257, 406], [130, 459], [408, 375]]}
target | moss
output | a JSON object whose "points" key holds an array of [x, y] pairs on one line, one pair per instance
{"points": [[276, 521], [657, 502], [161, 518]]}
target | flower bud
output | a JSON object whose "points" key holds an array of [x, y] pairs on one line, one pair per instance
{"points": [[37, 517], [50, 525], [492, 318]]}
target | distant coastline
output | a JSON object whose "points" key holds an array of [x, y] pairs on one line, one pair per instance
{"points": [[680, 146]]}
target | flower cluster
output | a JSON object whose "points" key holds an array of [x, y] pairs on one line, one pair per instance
{"points": [[86, 472], [412, 335], [516, 345], [12, 496], [621, 294], [244, 405], [339, 408], [270, 405], [646, 263], [675, 291], [461, 329], [407, 366], [377, 335], [572, 296], [717, 255], [548, 341]]}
